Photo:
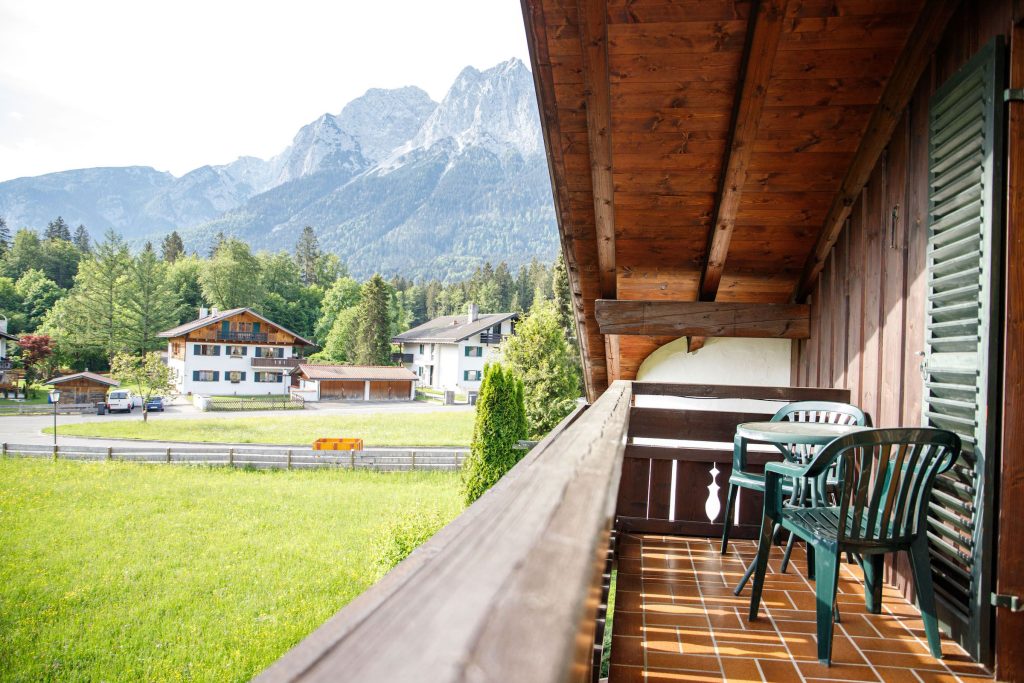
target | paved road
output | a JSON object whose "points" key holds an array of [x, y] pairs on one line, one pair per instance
{"points": [[28, 429]]}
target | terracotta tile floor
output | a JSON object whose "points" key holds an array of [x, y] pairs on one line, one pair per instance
{"points": [[676, 619]]}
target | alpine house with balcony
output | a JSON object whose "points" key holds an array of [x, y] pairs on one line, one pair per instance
{"points": [[237, 351], [450, 352]]}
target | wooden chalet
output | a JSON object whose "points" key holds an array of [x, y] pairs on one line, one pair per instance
{"points": [[83, 387], [844, 178]]}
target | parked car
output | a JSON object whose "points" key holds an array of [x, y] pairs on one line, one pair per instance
{"points": [[122, 400], [155, 403]]}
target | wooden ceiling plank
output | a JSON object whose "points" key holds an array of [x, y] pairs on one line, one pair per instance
{"points": [[703, 319], [597, 91], [594, 361], [765, 35], [924, 38]]}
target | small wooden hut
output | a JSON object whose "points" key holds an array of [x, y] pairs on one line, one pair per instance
{"points": [[83, 387]]}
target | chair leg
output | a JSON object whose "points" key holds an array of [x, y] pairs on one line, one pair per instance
{"points": [[789, 551], [810, 561], [764, 546], [827, 571], [750, 569], [874, 566], [730, 503], [922, 570]]}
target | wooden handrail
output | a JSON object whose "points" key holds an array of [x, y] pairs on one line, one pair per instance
{"points": [[509, 590]]}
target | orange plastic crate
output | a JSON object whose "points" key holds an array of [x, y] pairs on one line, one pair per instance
{"points": [[338, 445]]}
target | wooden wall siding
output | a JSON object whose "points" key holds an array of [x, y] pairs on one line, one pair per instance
{"points": [[354, 391], [211, 333], [867, 308]]}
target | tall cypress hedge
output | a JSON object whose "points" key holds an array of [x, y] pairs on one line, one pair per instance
{"points": [[500, 424]]}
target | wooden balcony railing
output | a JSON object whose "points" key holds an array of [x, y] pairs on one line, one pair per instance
{"points": [[510, 590], [401, 357], [491, 338], [235, 336], [287, 363]]}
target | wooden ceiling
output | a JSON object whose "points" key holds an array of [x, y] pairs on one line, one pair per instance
{"points": [[705, 150]]}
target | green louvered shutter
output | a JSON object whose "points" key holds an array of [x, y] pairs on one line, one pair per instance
{"points": [[965, 224]]}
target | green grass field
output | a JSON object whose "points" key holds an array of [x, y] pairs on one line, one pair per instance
{"points": [[440, 428], [126, 572]]}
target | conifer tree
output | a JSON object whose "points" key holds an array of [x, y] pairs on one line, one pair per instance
{"points": [[57, 229], [218, 241], [307, 255], [5, 237], [563, 297], [96, 302], [151, 304], [172, 248], [82, 240], [373, 342], [497, 429]]}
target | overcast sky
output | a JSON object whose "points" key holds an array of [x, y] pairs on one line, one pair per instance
{"points": [[176, 85]]}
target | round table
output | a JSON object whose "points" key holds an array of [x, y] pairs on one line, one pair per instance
{"points": [[788, 433]]}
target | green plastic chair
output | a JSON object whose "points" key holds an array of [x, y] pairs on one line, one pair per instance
{"points": [[800, 411], [884, 482]]}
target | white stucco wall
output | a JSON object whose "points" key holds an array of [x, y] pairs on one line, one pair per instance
{"points": [[224, 364], [450, 361], [753, 362]]}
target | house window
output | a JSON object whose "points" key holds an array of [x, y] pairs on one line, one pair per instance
{"points": [[269, 377], [471, 375], [236, 350], [474, 351], [421, 349], [268, 352], [205, 375], [235, 377], [206, 350]]}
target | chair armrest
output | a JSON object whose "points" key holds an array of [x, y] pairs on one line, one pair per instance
{"points": [[785, 469]]}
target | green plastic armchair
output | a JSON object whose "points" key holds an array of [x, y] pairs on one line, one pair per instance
{"points": [[884, 482]]}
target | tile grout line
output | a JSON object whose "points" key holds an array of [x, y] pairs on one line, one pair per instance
{"points": [[711, 630], [913, 635]]}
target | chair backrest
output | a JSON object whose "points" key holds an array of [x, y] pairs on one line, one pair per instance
{"points": [[885, 479], [822, 411]]}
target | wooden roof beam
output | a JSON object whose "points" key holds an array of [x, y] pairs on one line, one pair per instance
{"points": [[923, 39], [763, 38], [597, 93], [703, 318]]}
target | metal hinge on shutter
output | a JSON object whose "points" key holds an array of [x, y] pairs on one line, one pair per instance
{"points": [[1011, 602], [1013, 95]]}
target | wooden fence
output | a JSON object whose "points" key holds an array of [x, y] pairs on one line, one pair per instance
{"points": [[47, 409], [268, 402], [260, 457]]}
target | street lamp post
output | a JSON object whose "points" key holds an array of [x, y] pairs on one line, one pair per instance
{"points": [[55, 399]]}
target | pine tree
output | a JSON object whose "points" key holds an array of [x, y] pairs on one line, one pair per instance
{"points": [[307, 255], [218, 241], [506, 287], [57, 229], [373, 342], [151, 304], [539, 355], [5, 237], [563, 297], [172, 248], [95, 315], [497, 429], [82, 240]]}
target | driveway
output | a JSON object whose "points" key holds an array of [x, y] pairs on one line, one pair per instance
{"points": [[27, 429]]}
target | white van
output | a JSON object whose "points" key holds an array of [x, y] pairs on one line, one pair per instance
{"points": [[121, 399]]}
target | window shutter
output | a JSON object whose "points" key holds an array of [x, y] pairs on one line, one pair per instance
{"points": [[241, 376], [245, 350], [256, 328], [195, 375], [225, 328], [280, 377], [966, 154], [216, 350], [196, 349], [216, 375]]}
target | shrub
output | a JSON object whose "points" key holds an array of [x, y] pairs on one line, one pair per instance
{"points": [[500, 424], [411, 529]]}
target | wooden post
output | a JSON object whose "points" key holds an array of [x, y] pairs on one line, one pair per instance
{"points": [[289, 454], [168, 455], [3, 453], [110, 453], [413, 453], [231, 457], [352, 459], [55, 451]]}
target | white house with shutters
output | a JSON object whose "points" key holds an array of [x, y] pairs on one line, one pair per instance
{"points": [[450, 352], [233, 352]]}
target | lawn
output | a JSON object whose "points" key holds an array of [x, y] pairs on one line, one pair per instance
{"points": [[440, 428], [127, 572]]}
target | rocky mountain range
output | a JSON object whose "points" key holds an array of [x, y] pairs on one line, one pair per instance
{"points": [[394, 183]]}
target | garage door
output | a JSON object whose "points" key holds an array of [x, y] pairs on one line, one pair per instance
{"points": [[346, 391], [389, 391]]}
